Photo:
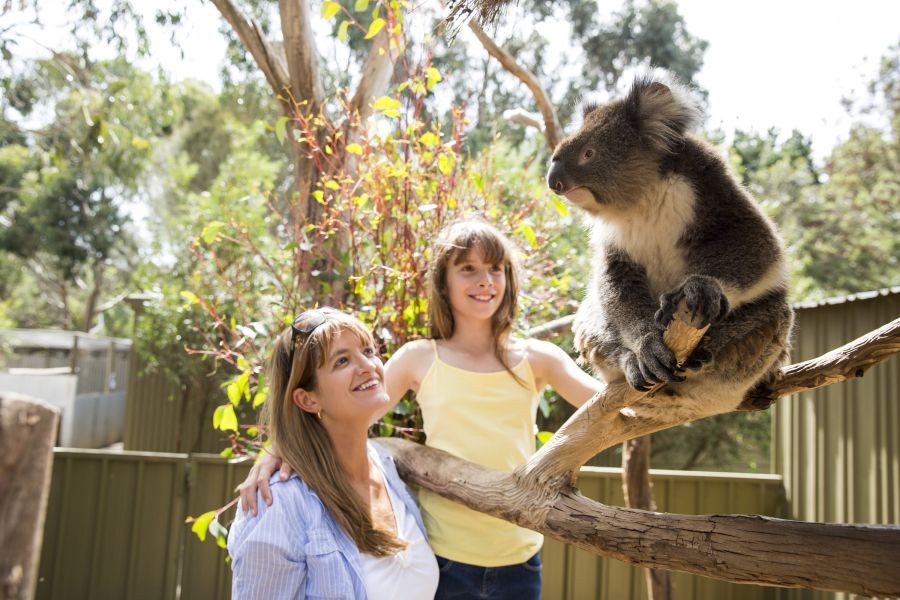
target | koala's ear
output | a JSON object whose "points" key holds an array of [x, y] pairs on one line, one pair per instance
{"points": [[588, 108], [663, 110]]}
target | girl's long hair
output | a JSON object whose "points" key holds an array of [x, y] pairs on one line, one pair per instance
{"points": [[452, 246], [303, 441]]}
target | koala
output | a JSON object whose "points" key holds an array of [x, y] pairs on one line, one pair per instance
{"points": [[669, 222]]}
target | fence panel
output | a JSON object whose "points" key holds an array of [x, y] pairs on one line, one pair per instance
{"points": [[115, 529], [838, 447]]}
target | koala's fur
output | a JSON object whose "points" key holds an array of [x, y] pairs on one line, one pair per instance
{"points": [[670, 222]]}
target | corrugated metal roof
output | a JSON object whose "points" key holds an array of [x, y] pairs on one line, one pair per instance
{"points": [[849, 298], [58, 339]]}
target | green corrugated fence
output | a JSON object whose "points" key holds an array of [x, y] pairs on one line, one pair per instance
{"points": [[115, 529], [838, 447]]}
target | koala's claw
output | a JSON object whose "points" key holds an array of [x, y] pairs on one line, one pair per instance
{"points": [[703, 298], [633, 375], [699, 357], [655, 361]]}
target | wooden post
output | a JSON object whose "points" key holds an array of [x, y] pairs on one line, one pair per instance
{"points": [[27, 433]]}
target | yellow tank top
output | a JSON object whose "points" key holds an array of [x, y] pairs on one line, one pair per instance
{"points": [[486, 418]]}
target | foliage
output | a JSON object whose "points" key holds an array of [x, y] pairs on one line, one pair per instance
{"points": [[840, 224], [65, 182]]}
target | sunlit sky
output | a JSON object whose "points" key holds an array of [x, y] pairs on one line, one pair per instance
{"points": [[781, 63]]}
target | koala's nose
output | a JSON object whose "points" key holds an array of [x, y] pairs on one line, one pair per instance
{"points": [[555, 177]]}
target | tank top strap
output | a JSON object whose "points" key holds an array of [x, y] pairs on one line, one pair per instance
{"points": [[434, 347]]}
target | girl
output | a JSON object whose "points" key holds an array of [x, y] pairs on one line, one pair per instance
{"points": [[478, 387], [347, 526]]}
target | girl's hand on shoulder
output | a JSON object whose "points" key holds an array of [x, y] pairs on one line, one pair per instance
{"points": [[258, 479]]}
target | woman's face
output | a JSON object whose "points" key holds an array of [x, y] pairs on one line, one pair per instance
{"points": [[350, 384], [475, 287]]}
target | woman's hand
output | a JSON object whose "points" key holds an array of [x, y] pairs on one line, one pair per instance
{"points": [[258, 479]]}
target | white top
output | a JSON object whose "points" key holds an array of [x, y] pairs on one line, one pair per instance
{"points": [[411, 574]]}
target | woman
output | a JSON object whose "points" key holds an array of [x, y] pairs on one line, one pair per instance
{"points": [[345, 525]]}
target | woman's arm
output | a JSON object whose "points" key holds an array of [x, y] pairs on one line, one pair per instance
{"points": [[553, 367]]}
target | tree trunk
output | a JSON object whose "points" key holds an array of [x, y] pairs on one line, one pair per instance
{"points": [[27, 434], [639, 494], [541, 496]]}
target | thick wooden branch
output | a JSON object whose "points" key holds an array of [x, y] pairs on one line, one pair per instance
{"points": [[506, 60], [744, 549], [850, 361], [249, 32], [300, 53]]}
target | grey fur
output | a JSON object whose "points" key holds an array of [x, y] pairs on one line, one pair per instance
{"points": [[670, 222]]}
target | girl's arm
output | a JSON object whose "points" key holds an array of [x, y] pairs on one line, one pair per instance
{"points": [[553, 367]]}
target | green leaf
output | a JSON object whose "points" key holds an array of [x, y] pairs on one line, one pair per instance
{"points": [[218, 531], [234, 393], [361, 5], [432, 77], [543, 437], [445, 164], [227, 453], [559, 205], [211, 231], [190, 297], [528, 231], [280, 127], [259, 397], [376, 26], [329, 9], [139, 143], [429, 138], [228, 420], [342, 31], [386, 103], [354, 148], [217, 416], [201, 524]]}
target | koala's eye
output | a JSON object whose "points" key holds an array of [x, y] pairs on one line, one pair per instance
{"points": [[587, 154]]}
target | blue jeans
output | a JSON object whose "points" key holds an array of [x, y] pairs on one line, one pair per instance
{"points": [[460, 581]]}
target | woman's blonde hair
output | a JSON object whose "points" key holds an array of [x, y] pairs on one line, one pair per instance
{"points": [[453, 246], [303, 441]]}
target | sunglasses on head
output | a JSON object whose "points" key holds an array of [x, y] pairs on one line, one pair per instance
{"points": [[307, 322]]}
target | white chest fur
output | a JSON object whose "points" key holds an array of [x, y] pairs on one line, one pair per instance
{"points": [[649, 232]]}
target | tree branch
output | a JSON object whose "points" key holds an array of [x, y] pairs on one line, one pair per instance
{"points": [[300, 53], [376, 74], [551, 123], [251, 35]]}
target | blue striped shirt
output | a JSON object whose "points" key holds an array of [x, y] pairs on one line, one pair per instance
{"points": [[294, 549]]}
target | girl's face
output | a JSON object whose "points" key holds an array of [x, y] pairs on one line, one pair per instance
{"points": [[350, 385], [475, 287]]}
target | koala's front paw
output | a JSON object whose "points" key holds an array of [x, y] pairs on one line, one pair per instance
{"points": [[654, 363], [703, 298]]}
